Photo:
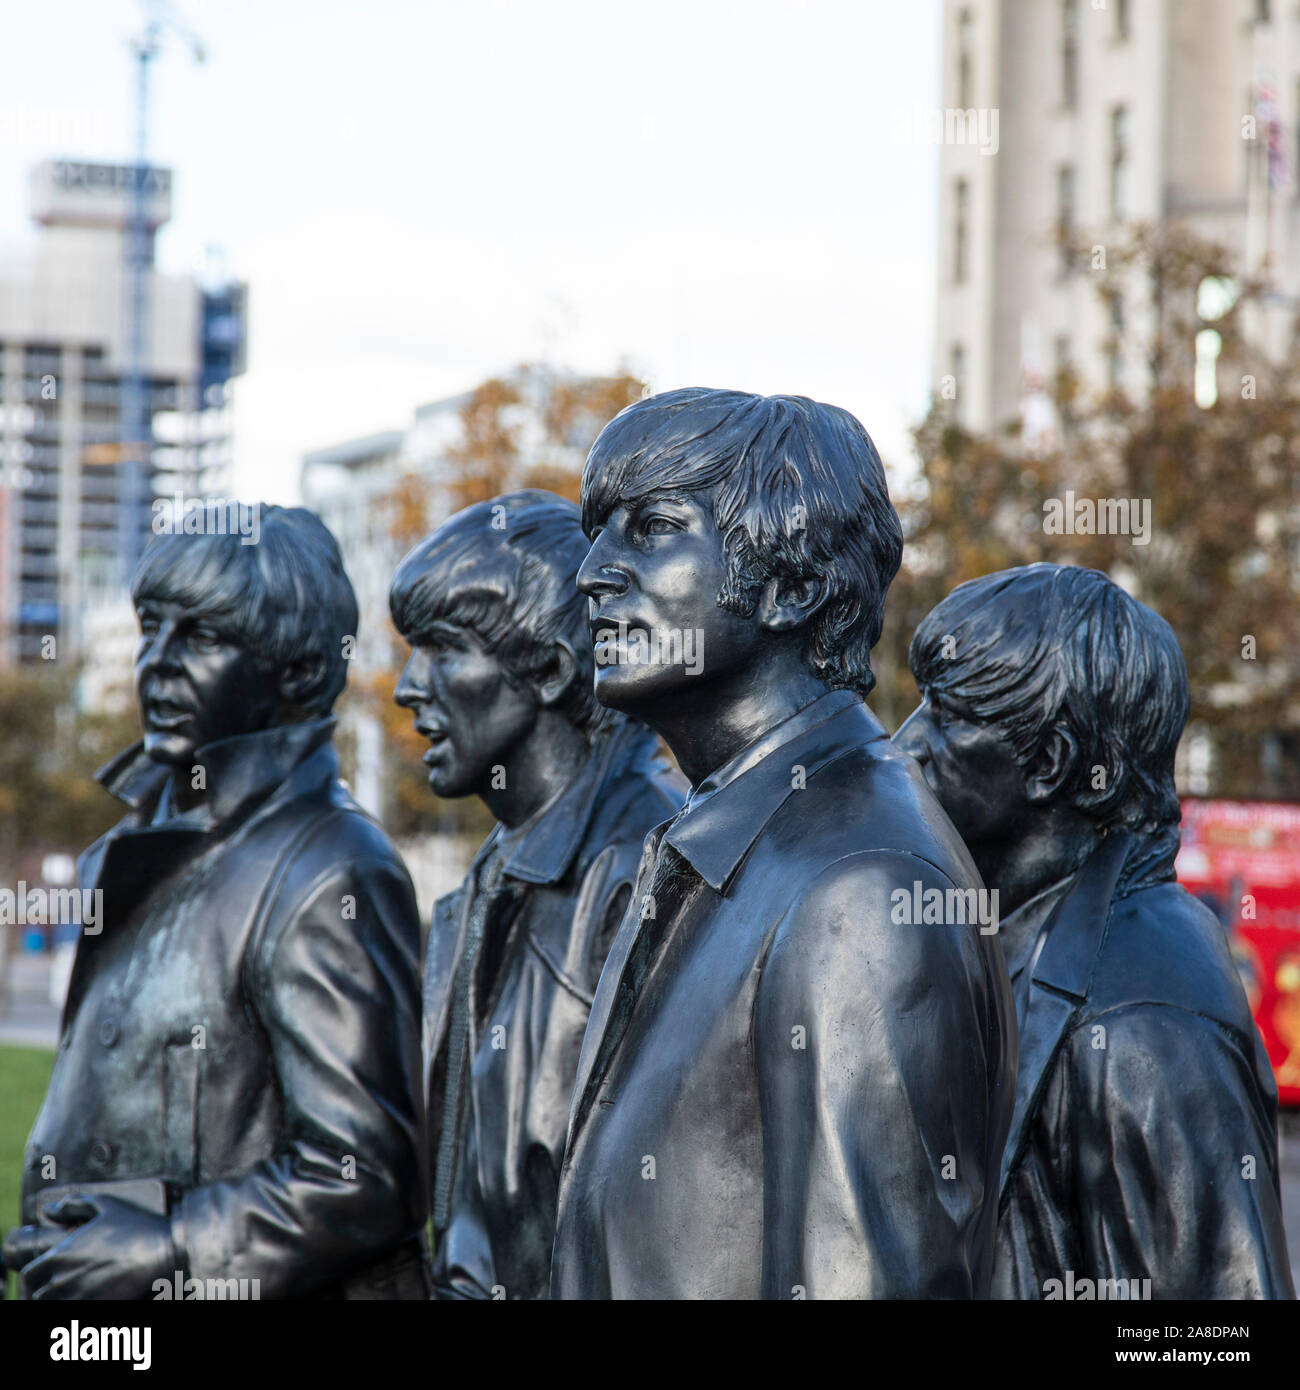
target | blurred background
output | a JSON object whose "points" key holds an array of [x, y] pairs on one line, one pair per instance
{"points": [[389, 260]]}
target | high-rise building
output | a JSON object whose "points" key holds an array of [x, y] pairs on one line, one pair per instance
{"points": [[65, 366], [1075, 116]]}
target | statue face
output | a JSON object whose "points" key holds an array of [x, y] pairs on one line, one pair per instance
{"points": [[652, 575], [467, 704], [971, 768], [197, 681]]}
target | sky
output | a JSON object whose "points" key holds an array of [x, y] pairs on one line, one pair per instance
{"points": [[423, 193]]}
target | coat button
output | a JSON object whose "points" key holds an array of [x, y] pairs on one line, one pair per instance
{"points": [[108, 1032], [101, 1153]]}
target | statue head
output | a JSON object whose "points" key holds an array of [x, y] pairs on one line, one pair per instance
{"points": [[498, 635], [238, 637], [743, 528], [1048, 689]]}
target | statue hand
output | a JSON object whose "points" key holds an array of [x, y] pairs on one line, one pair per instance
{"points": [[116, 1250], [24, 1243]]}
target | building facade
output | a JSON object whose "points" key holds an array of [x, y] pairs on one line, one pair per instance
{"points": [[1106, 112], [69, 356]]}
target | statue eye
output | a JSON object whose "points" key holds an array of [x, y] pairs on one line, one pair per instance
{"points": [[205, 639], [660, 526]]}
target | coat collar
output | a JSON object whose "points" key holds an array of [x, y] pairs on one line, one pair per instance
{"points": [[715, 833], [547, 849], [1061, 978], [240, 771], [545, 854]]}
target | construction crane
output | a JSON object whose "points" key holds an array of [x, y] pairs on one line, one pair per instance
{"points": [[135, 411]]}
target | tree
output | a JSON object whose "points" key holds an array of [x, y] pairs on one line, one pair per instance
{"points": [[1221, 479], [487, 457], [49, 800], [533, 428]]}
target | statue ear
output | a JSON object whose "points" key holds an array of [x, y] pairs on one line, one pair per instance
{"points": [[1053, 766], [786, 604], [559, 674], [299, 678]]}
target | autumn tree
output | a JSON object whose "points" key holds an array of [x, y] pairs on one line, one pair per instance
{"points": [[49, 800], [533, 428], [485, 460], [1219, 469]]}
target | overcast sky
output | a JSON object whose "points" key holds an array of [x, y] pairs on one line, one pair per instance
{"points": [[422, 193]]}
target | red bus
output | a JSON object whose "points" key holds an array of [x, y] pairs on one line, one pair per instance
{"points": [[1242, 858]]}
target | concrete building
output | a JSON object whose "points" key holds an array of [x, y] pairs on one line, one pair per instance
{"points": [[65, 363], [1064, 116]]}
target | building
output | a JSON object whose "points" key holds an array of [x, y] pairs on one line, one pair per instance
{"points": [[1073, 116], [69, 360]]}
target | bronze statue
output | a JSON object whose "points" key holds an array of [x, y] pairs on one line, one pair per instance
{"points": [[236, 1094], [783, 1092], [500, 683], [1143, 1151]]}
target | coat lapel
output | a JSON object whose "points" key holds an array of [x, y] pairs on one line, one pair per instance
{"points": [[446, 940], [123, 866], [601, 1038], [1062, 976]]}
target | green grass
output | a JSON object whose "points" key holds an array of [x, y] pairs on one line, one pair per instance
{"points": [[24, 1075]]}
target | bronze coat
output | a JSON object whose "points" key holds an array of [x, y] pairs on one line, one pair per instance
{"points": [[246, 1027], [1144, 1088], [782, 1092], [562, 894]]}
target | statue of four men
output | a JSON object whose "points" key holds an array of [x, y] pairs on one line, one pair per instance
{"points": [[750, 1029]]}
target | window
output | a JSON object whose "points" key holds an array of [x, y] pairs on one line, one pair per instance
{"points": [[1115, 360], [964, 59], [960, 232], [1065, 214], [1262, 12], [957, 369], [1119, 163], [1061, 354], [1296, 146], [1123, 19], [1070, 52]]}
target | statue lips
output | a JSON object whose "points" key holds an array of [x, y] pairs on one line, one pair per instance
{"points": [[609, 637], [165, 716], [438, 741]]}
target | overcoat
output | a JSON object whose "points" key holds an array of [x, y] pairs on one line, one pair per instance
{"points": [[784, 1091], [245, 1026], [1144, 1142], [563, 887]]}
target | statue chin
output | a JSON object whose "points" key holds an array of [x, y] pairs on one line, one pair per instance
{"points": [[168, 748]]}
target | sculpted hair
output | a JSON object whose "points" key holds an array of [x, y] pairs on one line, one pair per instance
{"points": [[288, 595], [798, 492], [1044, 645], [507, 570]]}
